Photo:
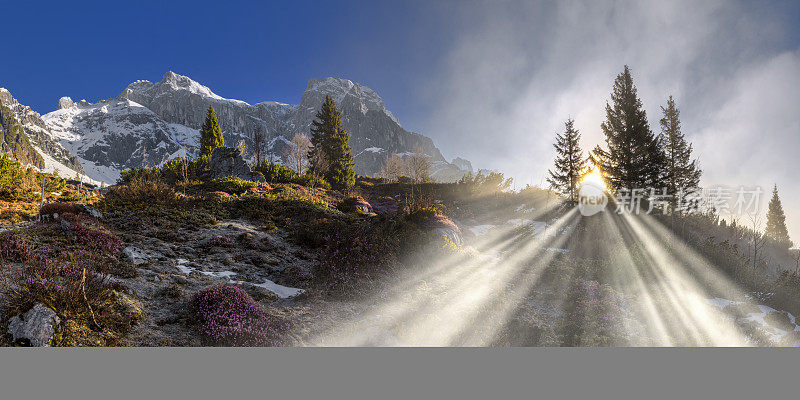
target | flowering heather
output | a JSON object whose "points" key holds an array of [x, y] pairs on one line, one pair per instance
{"points": [[58, 283], [220, 241], [440, 221], [349, 262], [14, 247], [228, 316], [95, 240]]}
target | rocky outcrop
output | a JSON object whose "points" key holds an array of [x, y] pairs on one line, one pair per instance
{"points": [[65, 102], [446, 227], [228, 161], [356, 204], [35, 328], [35, 143]]}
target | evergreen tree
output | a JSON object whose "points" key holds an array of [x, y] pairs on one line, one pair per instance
{"points": [[329, 138], [633, 159], [210, 134], [776, 221], [570, 165], [680, 172]]}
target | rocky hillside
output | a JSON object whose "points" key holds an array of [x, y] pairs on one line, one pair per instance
{"points": [[24, 135], [151, 122]]}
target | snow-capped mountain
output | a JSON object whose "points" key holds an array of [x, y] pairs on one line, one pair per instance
{"points": [[149, 123], [32, 143]]}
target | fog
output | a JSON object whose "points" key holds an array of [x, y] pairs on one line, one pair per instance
{"points": [[517, 71]]}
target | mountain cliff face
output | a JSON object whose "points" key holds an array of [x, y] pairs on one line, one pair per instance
{"points": [[25, 136], [150, 122]]}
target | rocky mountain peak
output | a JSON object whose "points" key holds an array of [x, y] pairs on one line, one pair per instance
{"points": [[6, 98], [25, 135], [65, 102], [344, 93]]}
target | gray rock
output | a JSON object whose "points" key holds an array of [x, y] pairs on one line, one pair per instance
{"points": [[134, 255], [91, 211], [65, 225], [36, 327], [228, 161]]}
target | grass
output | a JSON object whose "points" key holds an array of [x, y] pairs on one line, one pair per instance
{"points": [[66, 269]]}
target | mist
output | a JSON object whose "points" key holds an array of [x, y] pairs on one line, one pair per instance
{"points": [[517, 71]]}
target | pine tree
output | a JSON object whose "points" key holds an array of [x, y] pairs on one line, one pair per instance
{"points": [[570, 165], [210, 134], [680, 172], [776, 221], [329, 138], [633, 159]]}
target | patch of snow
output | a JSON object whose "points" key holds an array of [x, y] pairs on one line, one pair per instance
{"points": [[521, 208], [181, 265], [538, 226], [480, 230], [719, 302], [219, 274], [51, 165], [283, 292]]}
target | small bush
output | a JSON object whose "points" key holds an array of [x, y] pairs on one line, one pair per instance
{"points": [[142, 189], [228, 316], [70, 287], [60, 208], [276, 173], [19, 183], [313, 181], [14, 247], [231, 184]]}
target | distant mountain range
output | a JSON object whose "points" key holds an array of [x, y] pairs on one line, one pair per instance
{"points": [[149, 123]]}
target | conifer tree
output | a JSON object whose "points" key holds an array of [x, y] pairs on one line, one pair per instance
{"points": [[570, 165], [633, 159], [680, 171], [210, 134], [329, 138], [776, 221]]}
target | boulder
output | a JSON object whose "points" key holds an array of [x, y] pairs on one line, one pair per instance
{"points": [[228, 161], [446, 227], [87, 209], [36, 327], [53, 210], [356, 204], [134, 255]]}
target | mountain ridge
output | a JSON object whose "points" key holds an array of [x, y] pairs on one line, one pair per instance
{"points": [[148, 123]]}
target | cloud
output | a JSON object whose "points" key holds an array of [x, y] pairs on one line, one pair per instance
{"points": [[519, 70]]}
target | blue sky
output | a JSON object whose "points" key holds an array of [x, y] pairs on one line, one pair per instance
{"points": [[252, 51]]}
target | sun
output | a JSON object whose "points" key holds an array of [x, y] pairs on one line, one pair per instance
{"points": [[595, 177]]}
